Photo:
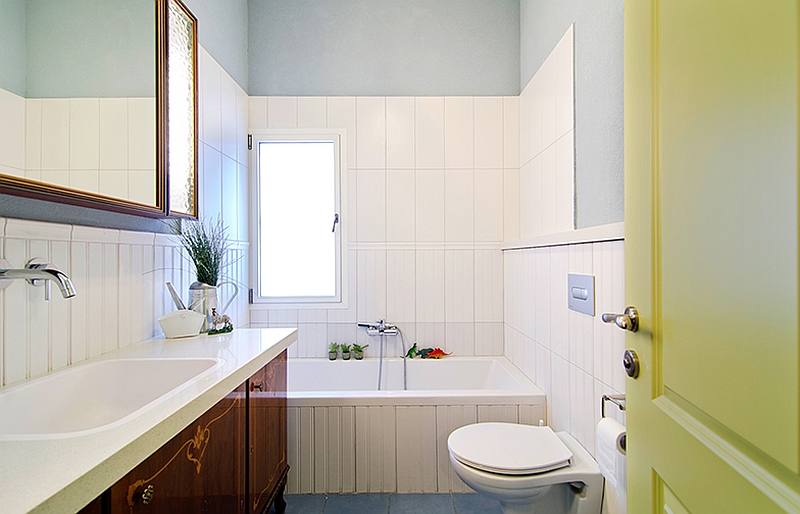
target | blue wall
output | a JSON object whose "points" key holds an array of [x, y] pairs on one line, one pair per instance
{"points": [[599, 154], [397, 47], [12, 46]]}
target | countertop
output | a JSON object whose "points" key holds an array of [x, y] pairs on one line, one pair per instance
{"points": [[63, 475]]}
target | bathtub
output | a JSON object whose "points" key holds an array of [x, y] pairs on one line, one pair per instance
{"points": [[345, 436]]}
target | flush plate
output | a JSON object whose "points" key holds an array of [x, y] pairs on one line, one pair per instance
{"points": [[580, 293]]}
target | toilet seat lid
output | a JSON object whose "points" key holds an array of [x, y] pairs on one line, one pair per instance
{"points": [[508, 448]]}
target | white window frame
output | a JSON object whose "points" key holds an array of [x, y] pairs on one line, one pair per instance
{"points": [[339, 300]]}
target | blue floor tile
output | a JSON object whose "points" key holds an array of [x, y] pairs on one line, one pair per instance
{"points": [[420, 504], [476, 504], [304, 503], [357, 504]]}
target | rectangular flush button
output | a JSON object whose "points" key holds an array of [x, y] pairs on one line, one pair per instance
{"points": [[581, 293]]}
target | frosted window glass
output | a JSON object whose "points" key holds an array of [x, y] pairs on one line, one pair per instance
{"points": [[297, 197]]}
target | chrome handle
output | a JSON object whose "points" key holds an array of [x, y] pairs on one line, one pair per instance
{"points": [[257, 386], [628, 320]]}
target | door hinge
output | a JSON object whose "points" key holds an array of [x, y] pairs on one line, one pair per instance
{"points": [[250, 297], [250, 145]]}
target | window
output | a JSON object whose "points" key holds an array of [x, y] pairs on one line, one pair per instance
{"points": [[298, 190]]}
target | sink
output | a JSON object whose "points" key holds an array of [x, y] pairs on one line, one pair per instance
{"points": [[95, 396]]}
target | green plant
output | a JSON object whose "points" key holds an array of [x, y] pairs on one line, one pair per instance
{"points": [[206, 245], [333, 348], [345, 348], [357, 348]]}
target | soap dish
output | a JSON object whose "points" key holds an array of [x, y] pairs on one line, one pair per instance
{"points": [[181, 323]]}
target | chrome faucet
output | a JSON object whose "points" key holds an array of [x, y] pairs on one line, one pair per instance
{"points": [[35, 270], [379, 328]]}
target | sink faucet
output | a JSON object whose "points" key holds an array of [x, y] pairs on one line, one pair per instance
{"points": [[380, 327], [38, 269]]}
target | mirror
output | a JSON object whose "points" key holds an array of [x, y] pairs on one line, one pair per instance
{"points": [[83, 103]]}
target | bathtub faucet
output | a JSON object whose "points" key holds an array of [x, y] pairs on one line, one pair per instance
{"points": [[379, 328]]}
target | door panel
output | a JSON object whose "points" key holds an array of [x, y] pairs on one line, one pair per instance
{"points": [[711, 96]]}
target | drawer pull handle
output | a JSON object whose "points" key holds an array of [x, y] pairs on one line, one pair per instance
{"points": [[147, 495]]}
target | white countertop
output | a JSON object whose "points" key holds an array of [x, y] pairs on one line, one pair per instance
{"points": [[62, 475]]}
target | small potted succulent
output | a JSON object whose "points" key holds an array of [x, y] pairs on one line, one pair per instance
{"points": [[333, 351], [345, 351], [358, 351]]}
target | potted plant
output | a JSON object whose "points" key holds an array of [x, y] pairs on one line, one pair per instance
{"points": [[358, 351], [206, 245], [345, 351], [333, 351]]}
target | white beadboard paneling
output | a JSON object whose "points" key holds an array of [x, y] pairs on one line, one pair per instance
{"points": [[543, 367], [488, 285], [38, 318], [342, 114], [211, 206], [352, 205], [55, 134], [511, 131], [400, 132], [559, 396], [459, 339], [95, 330], [227, 101], [430, 335], [282, 112], [257, 112], [449, 418], [488, 205], [430, 203], [459, 200], [371, 284], [141, 133], [582, 402], [16, 307], [325, 453], [311, 112], [430, 286], [400, 286], [229, 178], [211, 87], [559, 319], [347, 446], [511, 204], [489, 338], [532, 414], [527, 322], [371, 137], [416, 442], [581, 341], [609, 269], [312, 339], [497, 413], [59, 310], [243, 188], [293, 449], [348, 315], [429, 132], [12, 130], [110, 274], [565, 179], [79, 305], [542, 305], [84, 133], [113, 137], [489, 132], [400, 216], [371, 205], [305, 482], [459, 137], [459, 286]]}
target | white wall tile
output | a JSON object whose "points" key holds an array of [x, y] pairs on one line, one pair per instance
{"points": [[113, 137], [430, 286], [525, 113], [460, 339], [257, 112], [141, 133], [210, 88], [559, 396], [489, 205], [371, 205], [430, 203], [84, 133], [228, 113], [488, 338], [400, 132], [459, 201], [549, 201], [565, 180], [282, 112], [559, 319], [371, 137], [459, 266], [55, 134], [489, 132], [311, 112], [12, 130], [416, 437], [459, 144], [511, 204], [429, 132], [511, 134], [537, 143], [242, 116], [371, 284], [548, 72], [400, 215], [211, 203], [401, 286], [543, 305], [342, 114], [488, 285], [564, 96], [33, 135]]}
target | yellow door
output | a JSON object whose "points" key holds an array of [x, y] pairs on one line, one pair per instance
{"points": [[711, 196]]}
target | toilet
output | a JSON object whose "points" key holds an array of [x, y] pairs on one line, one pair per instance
{"points": [[528, 469]]}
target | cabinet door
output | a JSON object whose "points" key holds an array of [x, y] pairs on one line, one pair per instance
{"points": [[268, 435], [202, 469]]}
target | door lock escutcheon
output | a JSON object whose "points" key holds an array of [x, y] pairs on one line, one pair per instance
{"points": [[630, 361]]}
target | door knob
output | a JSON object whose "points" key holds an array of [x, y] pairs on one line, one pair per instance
{"points": [[628, 320], [630, 361]]}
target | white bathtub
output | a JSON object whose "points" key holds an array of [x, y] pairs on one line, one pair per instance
{"points": [[345, 436]]}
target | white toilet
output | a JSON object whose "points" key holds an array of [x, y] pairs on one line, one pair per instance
{"points": [[528, 469]]}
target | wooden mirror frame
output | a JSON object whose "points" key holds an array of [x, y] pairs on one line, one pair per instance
{"points": [[19, 186]]}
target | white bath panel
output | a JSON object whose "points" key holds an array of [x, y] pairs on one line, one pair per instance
{"points": [[375, 449], [497, 413], [531, 414], [448, 418], [416, 443]]}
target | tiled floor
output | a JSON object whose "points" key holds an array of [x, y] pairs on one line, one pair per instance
{"points": [[390, 503]]}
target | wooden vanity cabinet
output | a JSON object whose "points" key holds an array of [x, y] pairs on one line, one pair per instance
{"points": [[230, 460]]}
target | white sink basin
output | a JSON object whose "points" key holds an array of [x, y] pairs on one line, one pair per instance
{"points": [[93, 397]]}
